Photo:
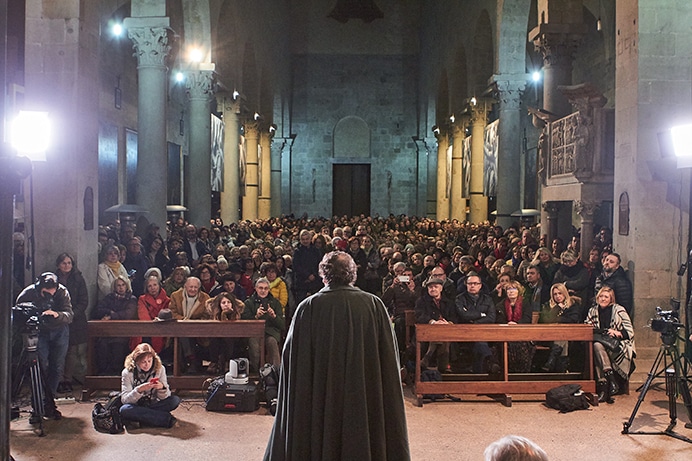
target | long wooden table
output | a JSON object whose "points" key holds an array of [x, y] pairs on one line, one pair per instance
{"points": [[173, 329], [506, 383]]}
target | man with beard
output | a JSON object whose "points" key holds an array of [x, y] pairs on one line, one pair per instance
{"points": [[614, 276]]}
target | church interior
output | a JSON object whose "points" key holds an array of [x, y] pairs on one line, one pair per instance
{"points": [[555, 112]]}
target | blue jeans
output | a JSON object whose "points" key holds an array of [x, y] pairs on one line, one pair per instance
{"points": [[52, 349], [158, 414]]}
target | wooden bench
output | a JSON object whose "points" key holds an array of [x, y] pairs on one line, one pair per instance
{"points": [[174, 329], [506, 383]]}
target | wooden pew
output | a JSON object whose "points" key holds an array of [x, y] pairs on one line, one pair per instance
{"points": [[506, 383], [174, 329]]}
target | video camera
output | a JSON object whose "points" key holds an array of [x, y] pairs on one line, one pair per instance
{"points": [[667, 322], [27, 317], [238, 371]]}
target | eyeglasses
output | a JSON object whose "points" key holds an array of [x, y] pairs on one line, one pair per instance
{"points": [[437, 274], [473, 283]]}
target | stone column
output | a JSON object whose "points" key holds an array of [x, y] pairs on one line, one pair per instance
{"points": [[199, 84], [150, 42], [458, 203], [479, 117], [265, 174], [509, 198], [250, 205], [586, 209], [442, 193], [549, 221], [285, 180], [277, 149], [230, 197], [557, 43]]}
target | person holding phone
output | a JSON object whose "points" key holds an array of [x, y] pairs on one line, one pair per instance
{"points": [[146, 397]]}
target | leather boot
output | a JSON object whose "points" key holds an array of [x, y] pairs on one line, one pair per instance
{"points": [[603, 391], [613, 388], [555, 351]]}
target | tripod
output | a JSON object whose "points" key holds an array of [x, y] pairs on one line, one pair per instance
{"points": [[676, 381], [29, 366]]}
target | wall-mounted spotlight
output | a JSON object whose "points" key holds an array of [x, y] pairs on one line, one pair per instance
{"points": [[473, 101], [452, 118], [30, 134], [257, 116], [117, 29], [536, 76], [236, 95], [179, 77], [599, 25], [272, 128], [196, 55], [436, 130], [681, 136]]}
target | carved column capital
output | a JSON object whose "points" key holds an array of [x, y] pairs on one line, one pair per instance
{"points": [[200, 84], [586, 208], [557, 48], [509, 91], [252, 129], [458, 127], [150, 45], [227, 103], [479, 110]]}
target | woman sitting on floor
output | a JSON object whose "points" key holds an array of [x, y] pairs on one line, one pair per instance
{"points": [[146, 396]]}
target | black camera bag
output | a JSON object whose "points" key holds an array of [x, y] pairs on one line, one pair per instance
{"points": [[106, 418]]}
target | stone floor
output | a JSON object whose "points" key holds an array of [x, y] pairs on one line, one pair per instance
{"points": [[437, 431]]}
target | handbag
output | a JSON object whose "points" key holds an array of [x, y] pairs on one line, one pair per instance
{"points": [[611, 343]]}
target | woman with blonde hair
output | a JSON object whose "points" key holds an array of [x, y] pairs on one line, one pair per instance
{"points": [[612, 319], [146, 397], [561, 308]]}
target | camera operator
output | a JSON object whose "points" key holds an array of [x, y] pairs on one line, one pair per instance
{"points": [[53, 302]]}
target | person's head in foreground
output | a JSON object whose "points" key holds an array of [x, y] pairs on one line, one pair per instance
{"points": [[514, 448]]}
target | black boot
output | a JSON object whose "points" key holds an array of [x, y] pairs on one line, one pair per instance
{"points": [[555, 351], [603, 391], [613, 388], [562, 364]]}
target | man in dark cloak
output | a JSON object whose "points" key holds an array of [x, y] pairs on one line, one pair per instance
{"points": [[340, 395]]}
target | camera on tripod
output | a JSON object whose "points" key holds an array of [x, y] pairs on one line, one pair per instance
{"points": [[667, 322], [27, 317]]}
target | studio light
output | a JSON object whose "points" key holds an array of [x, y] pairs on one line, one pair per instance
{"points": [[30, 134], [682, 140]]}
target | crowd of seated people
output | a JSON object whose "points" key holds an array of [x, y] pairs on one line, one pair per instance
{"points": [[442, 270]]}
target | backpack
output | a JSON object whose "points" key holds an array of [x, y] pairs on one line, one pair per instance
{"points": [[566, 398], [269, 384], [106, 418]]}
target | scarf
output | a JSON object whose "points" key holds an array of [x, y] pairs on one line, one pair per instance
{"points": [[513, 312], [189, 304], [114, 267], [273, 284]]}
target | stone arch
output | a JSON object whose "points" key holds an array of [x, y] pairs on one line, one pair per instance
{"points": [[513, 28], [250, 78], [483, 53], [351, 138], [459, 87], [442, 110], [226, 50]]}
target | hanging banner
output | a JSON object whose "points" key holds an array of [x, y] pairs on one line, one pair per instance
{"points": [[490, 160], [466, 168], [217, 134]]}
